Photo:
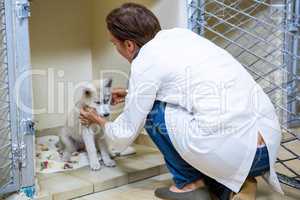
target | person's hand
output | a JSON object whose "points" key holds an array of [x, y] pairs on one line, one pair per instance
{"points": [[90, 116], [118, 95]]}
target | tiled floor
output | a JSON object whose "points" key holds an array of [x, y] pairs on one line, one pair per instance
{"points": [[147, 162], [143, 190]]}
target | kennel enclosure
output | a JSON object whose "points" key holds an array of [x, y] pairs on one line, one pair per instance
{"points": [[263, 35]]}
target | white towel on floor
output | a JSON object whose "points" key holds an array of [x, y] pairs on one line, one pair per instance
{"points": [[48, 158]]}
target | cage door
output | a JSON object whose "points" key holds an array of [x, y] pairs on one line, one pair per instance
{"points": [[16, 135], [9, 169], [23, 92]]}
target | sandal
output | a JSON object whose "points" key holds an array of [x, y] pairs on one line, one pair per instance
{"points": [[198, 194]]}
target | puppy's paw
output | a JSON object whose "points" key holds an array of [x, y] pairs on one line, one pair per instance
{"points": [[95, 165], [109, 162]]}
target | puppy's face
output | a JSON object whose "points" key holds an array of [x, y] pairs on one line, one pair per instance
{"points": [[98, 96]]}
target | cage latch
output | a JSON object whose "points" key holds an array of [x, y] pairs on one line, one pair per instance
{"points": [[19, 155], [19, 150], [294, 25], [23, 10], [28, 127]]}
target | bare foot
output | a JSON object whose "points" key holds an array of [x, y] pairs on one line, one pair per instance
{"points": [[189, 187]]}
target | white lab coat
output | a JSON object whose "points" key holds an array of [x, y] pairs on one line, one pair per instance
{"points": [[214, 107]]}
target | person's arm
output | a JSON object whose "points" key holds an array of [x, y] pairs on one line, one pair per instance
{"points": [[141, 95]]}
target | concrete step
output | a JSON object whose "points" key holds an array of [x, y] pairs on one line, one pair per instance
{"points": [[147, 162]]}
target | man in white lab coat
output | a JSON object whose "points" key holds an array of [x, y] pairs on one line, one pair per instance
{"points": [[214, 125]]}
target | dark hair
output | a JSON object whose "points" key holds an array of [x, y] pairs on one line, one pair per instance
{"points": [[133, 22]]}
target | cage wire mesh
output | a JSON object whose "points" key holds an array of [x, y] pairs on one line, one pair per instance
{"points": [[5, 130], [264, 36]]}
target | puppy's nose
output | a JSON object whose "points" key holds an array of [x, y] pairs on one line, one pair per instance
{"points": [[106, 115]]}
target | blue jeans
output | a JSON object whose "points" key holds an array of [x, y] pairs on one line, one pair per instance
{"points": [[182, 172]]}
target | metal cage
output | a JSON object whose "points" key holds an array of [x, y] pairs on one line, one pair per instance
{"points": [[16, 129], [9, 179], [264, 36]]}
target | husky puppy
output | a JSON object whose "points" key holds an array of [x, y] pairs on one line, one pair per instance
{"points": [[75, 136]]}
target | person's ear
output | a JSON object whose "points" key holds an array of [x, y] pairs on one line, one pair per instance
{"points": [[130, 46]]}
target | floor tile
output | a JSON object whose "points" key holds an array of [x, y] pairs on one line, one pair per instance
{"points": [[284, 154], [142, 190], [138, 169], [104, 179], [42, 176], [294, 146], [294, 165], [283, 170], [144, 164], [65, 186], [44, 196]]}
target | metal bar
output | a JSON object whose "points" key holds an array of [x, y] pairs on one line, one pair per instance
{"points": [[242, 22], [4, 128], [241, 35], [5, 137], [3, 82], [261, 58], [231, 17], [250, 16], [4, 107], [22, 51], [2, 188], [243, 30], [259, 74], [284, 109], [221, 23], [288, 140], [289, 159], [270, 5], [5, 146], [245, 21], [6, 165], [250, 34], [198, 13], [4, 88], [283, 89], [295, 48]]}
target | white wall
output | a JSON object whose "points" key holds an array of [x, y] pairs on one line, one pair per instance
{"points": [[60, 39], [71, 36]]}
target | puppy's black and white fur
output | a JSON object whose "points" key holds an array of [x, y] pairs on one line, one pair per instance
{"points": [[75, 136]]}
